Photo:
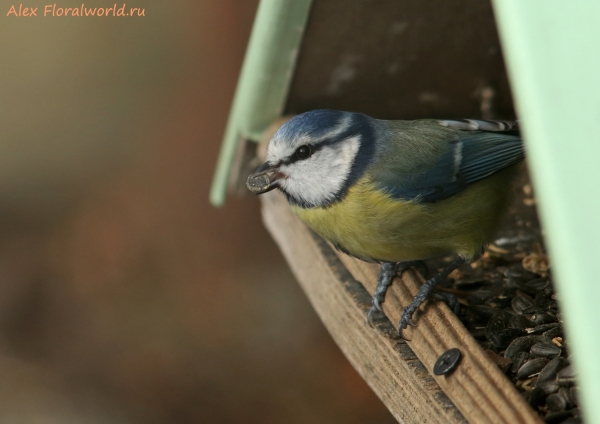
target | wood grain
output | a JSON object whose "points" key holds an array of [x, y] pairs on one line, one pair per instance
{"points": [[339, 288]]}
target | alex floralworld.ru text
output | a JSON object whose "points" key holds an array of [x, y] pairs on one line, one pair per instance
{"points": [[52, 10]]}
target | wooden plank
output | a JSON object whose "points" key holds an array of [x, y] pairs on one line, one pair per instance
{"points": [[477, 388], [387, 363]]}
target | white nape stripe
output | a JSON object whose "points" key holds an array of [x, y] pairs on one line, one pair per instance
{"points": [[479, 125], [337, 131], [279, 149], [457, 157]]}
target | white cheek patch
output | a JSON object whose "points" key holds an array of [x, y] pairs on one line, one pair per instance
{"points": [[318, 180]]}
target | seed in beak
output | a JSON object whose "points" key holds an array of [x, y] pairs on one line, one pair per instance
{"points": [[258, 183]]}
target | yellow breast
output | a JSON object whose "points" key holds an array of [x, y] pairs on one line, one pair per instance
{"points": [[369, 223]]}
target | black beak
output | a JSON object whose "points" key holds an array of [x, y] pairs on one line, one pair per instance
{"points": [[264, 179]]}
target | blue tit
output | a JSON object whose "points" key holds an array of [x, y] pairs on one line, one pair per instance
{"points": [[394, 192]]}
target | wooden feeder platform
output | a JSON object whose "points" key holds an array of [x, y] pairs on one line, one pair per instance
{"points": [[390, 60]]}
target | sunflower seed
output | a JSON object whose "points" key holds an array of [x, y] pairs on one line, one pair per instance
{"points": [[568, 371], [568, 394], [535, 397], [518, 361], [480, 297], [520, 322], [548, 387], [495, 326], [557, 417], [545, 349], [550, 370], [540, 329], [542, 318], [499, 302], [521, 344], [556, 402], [533, 366], [542, 302], [566, 376], [521, 303], [532, 286]]}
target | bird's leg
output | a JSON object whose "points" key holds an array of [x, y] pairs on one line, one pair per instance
{"points": [[425, 290], [387, 272]]}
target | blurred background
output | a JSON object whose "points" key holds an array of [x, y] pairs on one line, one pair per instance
{"points": [[124, 296]]}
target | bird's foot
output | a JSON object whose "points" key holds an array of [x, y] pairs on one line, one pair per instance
{"points": [[448, 298], [425, 291], [406, 318], [387, 272]]}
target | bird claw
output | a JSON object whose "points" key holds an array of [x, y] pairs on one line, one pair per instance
{"points": [[377, 304], [405, 321], [402, 336], [371, 316], [377, 308]]}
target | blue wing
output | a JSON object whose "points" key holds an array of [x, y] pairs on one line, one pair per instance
{"points": [[469, 155]]}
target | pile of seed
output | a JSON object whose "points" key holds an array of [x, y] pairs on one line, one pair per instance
{"points": [[508, 303]]}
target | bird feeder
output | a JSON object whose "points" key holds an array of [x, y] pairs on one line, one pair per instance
{"points": [[412, 60]]}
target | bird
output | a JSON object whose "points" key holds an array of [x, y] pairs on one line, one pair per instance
{"points": [[395, 192]]}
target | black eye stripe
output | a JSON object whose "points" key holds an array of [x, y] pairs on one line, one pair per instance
{"points": [[307, 151], [316, 147]]}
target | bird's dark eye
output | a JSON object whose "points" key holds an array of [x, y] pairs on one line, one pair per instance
{"points": [[304, 152]]}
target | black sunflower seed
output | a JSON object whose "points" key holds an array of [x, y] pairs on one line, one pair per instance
{"points": [[553, 332], [540, 318], [521, 304], [548, 387], [521, 344], [556, 402], [545, 349], [532, 286], [520, 322], [548, 373], [533, 366], [557, 417], [566, 376], [535, 397], [518, 361], [540, 329]]}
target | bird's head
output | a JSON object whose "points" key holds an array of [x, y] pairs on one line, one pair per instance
{"points": [[314, 157]]}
